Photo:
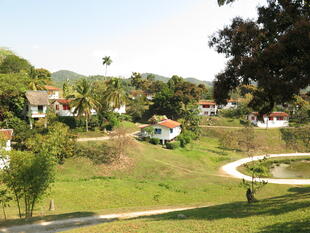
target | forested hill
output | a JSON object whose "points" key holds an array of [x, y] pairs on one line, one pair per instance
{"points": [[61, 76]]}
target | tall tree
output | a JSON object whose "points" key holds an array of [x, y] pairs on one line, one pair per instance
{"points": [[115, 94], [15, 64], [83, 100], [273, 52], [106, 61]]}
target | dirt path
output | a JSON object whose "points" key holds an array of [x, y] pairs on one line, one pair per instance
{"points": [[134, 134], [62, 225], [231, 169]]}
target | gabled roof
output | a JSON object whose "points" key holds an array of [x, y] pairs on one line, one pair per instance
{"points": [[37, 97], [6, 133], [274, 114], [63, 101], [169, 123], [51, 88], [206, 102]]}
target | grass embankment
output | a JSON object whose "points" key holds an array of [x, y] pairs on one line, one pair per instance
{"points": [[221, 121], [156, 178]]}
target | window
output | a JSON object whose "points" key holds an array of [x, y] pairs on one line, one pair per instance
{"points": [[271, 118], [171, 130], [206, 106], [253, 118], [57, 107], [280, 118], [157, 131], [66, 107], [40, 108]]}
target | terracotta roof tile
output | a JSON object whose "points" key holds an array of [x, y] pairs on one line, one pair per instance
{"points": [[169, 123], [6, 133], [207, 102], [63, 101], [274, 114], [51, 88]]}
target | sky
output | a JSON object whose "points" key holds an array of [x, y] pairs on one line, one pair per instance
{"points": [[166, 37]]}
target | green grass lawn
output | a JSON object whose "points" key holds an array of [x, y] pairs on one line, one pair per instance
{"points": [[156, 178], [220, 121]]}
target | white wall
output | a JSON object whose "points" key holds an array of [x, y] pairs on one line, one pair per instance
{"points": [[165, 132], [121, 110], [275, 123], [34, 112], [212, 110], [230, 105], [53, 95]]}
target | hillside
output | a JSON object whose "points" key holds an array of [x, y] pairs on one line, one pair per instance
{"points": [[166, 79], [62, 75]]}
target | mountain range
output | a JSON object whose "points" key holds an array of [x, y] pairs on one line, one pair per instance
{"points": [[61, 76]]}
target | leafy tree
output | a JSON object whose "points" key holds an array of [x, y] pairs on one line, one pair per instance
{"points": [[137, 107], [83, 100], [273, 52], [115, 94], [5, 198], [42, 73], [4, 52], [58, 141], [28, 177], [14, 64], [136, 80], [106, 61], [12, 93]]}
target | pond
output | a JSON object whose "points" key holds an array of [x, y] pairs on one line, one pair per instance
{"points": [[292, 169]]}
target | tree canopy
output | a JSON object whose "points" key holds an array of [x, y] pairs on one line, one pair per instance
{"points": [[272, 52]]}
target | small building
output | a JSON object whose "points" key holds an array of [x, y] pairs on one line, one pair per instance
{"points": [[166, 130], [6, 135], [37, 105], [62, 107], [230, 104], [274, 120], [207, 108], [53, 92], [121, 110]]}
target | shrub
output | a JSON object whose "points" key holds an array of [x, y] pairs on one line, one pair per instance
{"points": [[155, 141], [172, 145], [185, 138]]}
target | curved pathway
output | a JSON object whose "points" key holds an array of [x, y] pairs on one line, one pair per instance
{"points": [[231, 169]]}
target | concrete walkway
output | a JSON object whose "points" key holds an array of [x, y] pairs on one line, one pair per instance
{"points": [[231, 169], [62, 225]]}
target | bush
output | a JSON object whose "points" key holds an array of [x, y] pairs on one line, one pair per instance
{"points": [[184, 138], [155, 141], [172, 145]]}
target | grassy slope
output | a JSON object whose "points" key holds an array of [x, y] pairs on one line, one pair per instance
{"points": [[160, 178], [220, 121]]}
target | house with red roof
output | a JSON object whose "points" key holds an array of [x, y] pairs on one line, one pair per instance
{"points": [[207, 108], [166, 130], [62, 107], [53, 92], [273, 120], [5, 138]]}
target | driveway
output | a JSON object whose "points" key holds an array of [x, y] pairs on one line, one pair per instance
{"points": [[231, 169]]}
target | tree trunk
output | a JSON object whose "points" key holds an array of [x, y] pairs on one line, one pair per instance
{"points": [[249, 195], [3, 209], [86, 122]]}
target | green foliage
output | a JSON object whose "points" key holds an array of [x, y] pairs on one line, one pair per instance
{"points": [[255, 51], [106, 61], [115, 95], [15, 64], [155, 141], [112, 121], [172, 145], [29, 177], [296, 138], [58, 141], [12, 93], [185, 138], [137, 107]]}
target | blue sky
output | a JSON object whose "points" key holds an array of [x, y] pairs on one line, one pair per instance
{"points": [[160, 36]]}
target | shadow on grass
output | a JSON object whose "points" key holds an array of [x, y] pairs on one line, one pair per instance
{"points": [[297, 200], [11, 222]]}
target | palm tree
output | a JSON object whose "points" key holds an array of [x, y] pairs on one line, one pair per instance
{"points": [[115, 95], [106, 61], [83, 100], [37, 84]]}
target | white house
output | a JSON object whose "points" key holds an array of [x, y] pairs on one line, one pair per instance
{"points": [[62, 108], [53, 92], [207, 108], [121, 110], [37, 105], [274, 120], [6, 135], [165, 130], [230, 104]]}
